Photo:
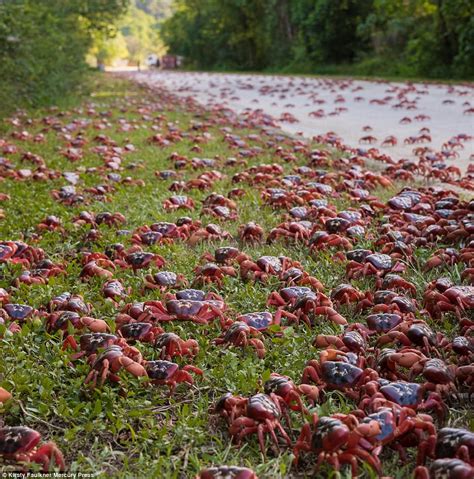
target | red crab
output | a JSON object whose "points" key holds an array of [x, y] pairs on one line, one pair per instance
{"points": [[140, 260], [387, 301], [288, 296], [108, 363], [41, 273], [339, 439], [50, 223], [266, 266], [211, 232], [337, 375], [69, 302], [171, 345], [115, 290], [321, 240], [164, 280], [197, 295], [450, 442], [251, 233], [230, 406], [22, 445], [397, 283], [225, 255], [62, 320], [368, 139], [186, 310], [374, 264], [354, 338], [4, 296], [262, 320], [310, 305], [143, 332], [227, 472], [17, 312], [415, 332], [390, 141], [239, 334], [398, 425], [161, 232], [387, 361], [442, 257], [222, 213], [212, 273], [261, 415], [297, 231], [458, 299], [346, 294], [91, 344], [97, 266], [106, 218], [375, 394], [284, 387], [178, 202], [296, 276], [162, 372], [445, 468], [17, 252]]}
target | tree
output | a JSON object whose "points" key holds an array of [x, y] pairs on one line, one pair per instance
{"points": [[43, 45], [107, 49], [412, 37], [141, 34]]}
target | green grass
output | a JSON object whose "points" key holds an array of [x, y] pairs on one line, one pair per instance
{"points": [[131, 429]]}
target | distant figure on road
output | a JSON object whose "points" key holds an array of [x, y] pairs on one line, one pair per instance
{"points": [[153, 61], [169, 62]]}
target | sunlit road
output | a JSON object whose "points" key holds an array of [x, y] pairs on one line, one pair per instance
{"points": [[352, 109]]}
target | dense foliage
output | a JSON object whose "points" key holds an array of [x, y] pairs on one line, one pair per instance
{"points": [[43, 46], [137, 35], [406, 37]]}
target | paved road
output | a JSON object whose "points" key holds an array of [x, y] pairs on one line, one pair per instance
{"points": [[352, 109]]}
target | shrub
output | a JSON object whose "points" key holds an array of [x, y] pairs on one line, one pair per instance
{"points": [[43, 45]]}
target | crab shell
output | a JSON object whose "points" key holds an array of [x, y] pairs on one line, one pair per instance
{"points": [[340, 374], [280, 385], [191, 294], [17, 440], [383, 322], [136, 331], [91, 342], [227, 472], [379, 261], [18, 312], [165, 278], [161, 370], [450, 439], [436, 371], [402, 393], [184, 309], [451, 469], [295, 292], [329, 435], [261, 407], [259, 321], [464, 293]]}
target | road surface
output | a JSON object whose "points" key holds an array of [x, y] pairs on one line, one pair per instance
{"points": [[352, 109]]}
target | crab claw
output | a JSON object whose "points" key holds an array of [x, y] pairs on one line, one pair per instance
{"points": [[4, 395], [45, 453]]}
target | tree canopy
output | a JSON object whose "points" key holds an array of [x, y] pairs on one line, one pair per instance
{"points": [[407, 37], [43, 45], [137, 36]]}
